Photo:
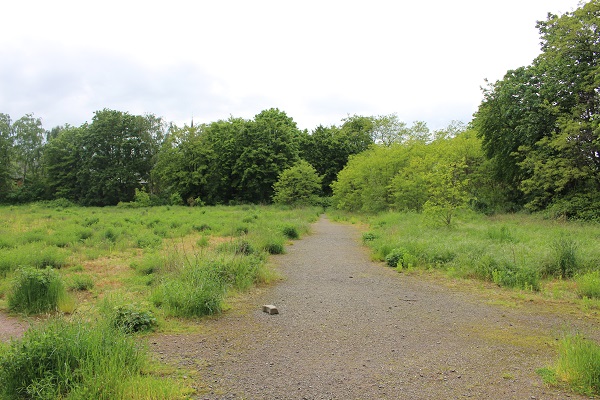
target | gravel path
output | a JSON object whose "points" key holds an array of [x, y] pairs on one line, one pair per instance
{"points": [[352, 329]]}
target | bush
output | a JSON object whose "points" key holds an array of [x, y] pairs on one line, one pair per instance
{"points": [[368, 237], [69, 360], [588, 285], [274, 246], [290, 232], [400, 258], [131, 318], [238, 247], [510, 275], [36, 291]]}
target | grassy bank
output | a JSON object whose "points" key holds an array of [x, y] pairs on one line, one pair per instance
{"points": [[527, 255]]}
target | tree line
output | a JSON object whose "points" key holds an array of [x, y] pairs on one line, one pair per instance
{"points": [[533, 143]]}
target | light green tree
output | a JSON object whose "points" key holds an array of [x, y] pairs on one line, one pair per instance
{"points": [[297, 185]]}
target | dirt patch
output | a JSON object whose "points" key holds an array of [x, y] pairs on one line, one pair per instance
{"points": [[349, 328], [11, 327]]}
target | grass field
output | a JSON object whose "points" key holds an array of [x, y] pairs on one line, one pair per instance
{"points": [[120, 271]]}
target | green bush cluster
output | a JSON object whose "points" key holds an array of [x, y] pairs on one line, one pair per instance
{"points": [[132, 318]]}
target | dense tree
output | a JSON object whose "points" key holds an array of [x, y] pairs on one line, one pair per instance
{"points": [[328, 149], [104, 162], [414, 175], [28, 143], [540, 123], [6, 149], [63, 158], [268, 146]]}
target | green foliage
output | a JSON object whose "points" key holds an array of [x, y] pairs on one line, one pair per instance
{"points": [[441, 177], [400, 259], [368, 237], [539, 124], [103, 163], [132, 318], [35, 291], [328, 149], [290, 232], [511, 275], [515, 251], [76, 360], [588, 285], [297, 185]]}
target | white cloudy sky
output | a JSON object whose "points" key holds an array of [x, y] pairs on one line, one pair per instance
{"points": [[316, 60]]}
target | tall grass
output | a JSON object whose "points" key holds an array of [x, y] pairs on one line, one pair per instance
{"points": [[579, 364], [78, 360], [518, 251], [36, 291]]}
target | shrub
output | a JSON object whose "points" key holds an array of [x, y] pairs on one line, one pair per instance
{"points": [[36, 291], [238, 247], [131, 318], [400, 258], [588, 285], [201, 227], [510, 275], [151, 263], [290, 232], [62, 359], [394, 258], [368, 237], [148, 240], [274, 246]]}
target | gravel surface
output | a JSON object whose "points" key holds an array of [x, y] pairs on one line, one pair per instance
{"points": [[349, 328]]}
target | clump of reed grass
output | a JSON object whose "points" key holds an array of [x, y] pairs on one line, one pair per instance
{"points": [[36, 291]]}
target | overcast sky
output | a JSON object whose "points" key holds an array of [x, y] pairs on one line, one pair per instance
{"points": [[319, 61]]}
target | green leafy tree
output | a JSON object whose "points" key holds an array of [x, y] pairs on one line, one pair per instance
{"points": [[540, 123], [180, 165], [268, 146], [28, 145], [63, 158], [447, 183], [6, 156], [298, 185]]}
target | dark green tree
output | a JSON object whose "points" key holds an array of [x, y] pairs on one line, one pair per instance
{"points": [[6, 156], [269, 145], [63, 159], [540, 123]]}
